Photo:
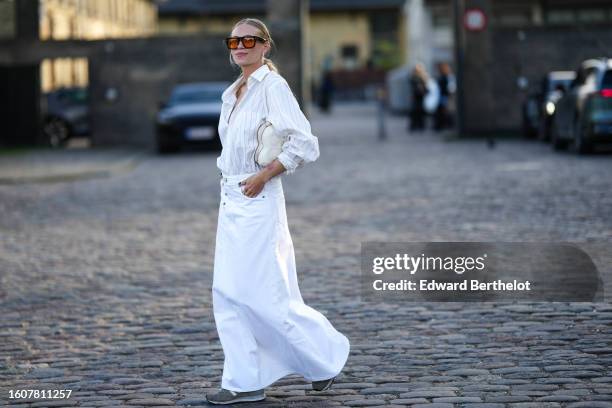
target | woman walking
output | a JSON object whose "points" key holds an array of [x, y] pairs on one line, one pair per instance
{"points": [[265, 328], [418, 85]]}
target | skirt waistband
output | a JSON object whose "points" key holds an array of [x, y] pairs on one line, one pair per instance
{"points": [[234, 179]]}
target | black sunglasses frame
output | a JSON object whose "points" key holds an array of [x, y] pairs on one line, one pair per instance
{"points": [[241, 40]]}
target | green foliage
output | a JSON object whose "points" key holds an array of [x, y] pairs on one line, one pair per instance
{"points": [[386, 54]]}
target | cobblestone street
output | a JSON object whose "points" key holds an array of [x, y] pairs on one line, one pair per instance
{"points": [[105, 284]]}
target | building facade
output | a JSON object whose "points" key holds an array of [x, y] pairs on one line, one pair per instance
{"points": [[342, 35], [436, 20], [46, 45], [96, 19], [89, 20]]}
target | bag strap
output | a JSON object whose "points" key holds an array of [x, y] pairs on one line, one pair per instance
{"points": [[261, 124], [267, 118], [266, 101]]}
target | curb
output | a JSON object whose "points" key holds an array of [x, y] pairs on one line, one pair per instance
{"points": [[124, 166]]}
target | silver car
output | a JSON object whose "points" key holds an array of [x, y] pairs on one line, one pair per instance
{"points": [[583, 115]]}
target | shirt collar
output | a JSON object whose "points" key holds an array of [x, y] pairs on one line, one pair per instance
{"points": [[259, 74]]}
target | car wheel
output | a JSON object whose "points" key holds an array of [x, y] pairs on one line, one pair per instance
{"points": [[581, 146], [556, 142], [56, 132]]}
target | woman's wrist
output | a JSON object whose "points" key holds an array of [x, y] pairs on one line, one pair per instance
{"points": [[272, 169], [265, 174]]}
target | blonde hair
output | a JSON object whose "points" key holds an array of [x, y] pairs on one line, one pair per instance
{"points": [[421, 71], [263, 32]]}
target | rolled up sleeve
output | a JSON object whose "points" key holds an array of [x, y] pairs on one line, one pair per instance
{"points": [[301, 146]]}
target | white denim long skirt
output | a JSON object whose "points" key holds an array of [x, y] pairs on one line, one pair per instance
{"points": [[265, 328]]}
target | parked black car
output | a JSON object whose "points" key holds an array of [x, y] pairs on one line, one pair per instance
{"points": [[584, 114], [65, 114], [190, 117], [539, 106], [554, 85]]}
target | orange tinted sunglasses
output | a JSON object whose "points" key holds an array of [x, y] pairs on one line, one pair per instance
{"points": [[248, 41]]}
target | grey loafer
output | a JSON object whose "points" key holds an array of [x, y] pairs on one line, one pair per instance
{"points": [[224, 396], [323, 384]]}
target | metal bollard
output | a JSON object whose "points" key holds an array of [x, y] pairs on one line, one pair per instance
{"points": [[381, 95]]}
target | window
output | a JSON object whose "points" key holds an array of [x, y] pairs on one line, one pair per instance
{"points": [[592, 16], [440, 20], [349, 54], [511, 14], [513, 19], [7, 19], [560, 17], [349, 51], [382, 22]]}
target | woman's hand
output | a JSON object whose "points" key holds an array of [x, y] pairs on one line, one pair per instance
{"points": [[253, 185]]}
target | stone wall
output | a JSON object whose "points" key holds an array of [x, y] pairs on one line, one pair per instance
{"points": [[143, 72]]}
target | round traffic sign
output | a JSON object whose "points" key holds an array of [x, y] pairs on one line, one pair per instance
{"points": [[474, 19]]}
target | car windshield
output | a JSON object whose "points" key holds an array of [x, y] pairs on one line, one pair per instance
{"points": [[195, 95], [554, 82]]}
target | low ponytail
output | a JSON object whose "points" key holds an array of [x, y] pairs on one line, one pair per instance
{"points": [[270, 64]]}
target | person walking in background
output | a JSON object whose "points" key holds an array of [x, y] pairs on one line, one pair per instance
{"points": [[418, 86], [326, 91], [266, 330], [443, 118]]}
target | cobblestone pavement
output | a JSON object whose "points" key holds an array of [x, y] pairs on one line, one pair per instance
{"points": [[105, 284]]}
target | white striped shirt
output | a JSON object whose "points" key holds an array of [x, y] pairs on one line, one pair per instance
{"points": [[238, 132]]}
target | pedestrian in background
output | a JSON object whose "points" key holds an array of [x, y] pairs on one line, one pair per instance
{"points": [[443, 118], [418, 86], [266, 330], [326, 91]]}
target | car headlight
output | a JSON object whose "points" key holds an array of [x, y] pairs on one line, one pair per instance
{"points": [[550, 108]]}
